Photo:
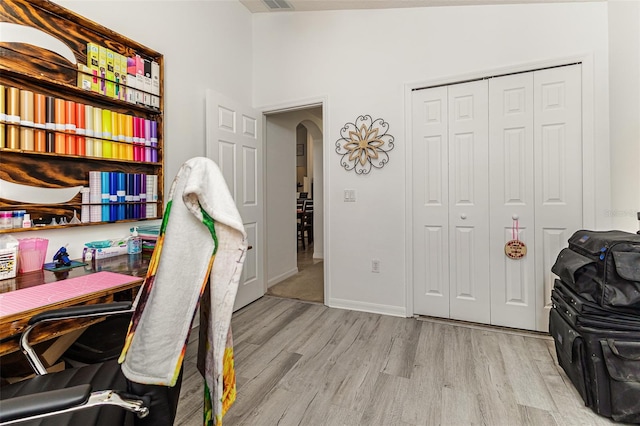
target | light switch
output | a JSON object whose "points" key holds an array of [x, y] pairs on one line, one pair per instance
{"points": [[349, 195]]}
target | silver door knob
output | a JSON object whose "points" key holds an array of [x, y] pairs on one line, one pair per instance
{"points": [[463, 216], [514, 216]]}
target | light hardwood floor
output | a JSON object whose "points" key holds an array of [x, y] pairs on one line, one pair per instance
{"points": [[305, 364]]}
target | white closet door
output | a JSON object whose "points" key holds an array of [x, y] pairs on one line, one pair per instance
{"points": [[484, 154], [430, 202], [469, 202], [558, 172], [511, 179]]}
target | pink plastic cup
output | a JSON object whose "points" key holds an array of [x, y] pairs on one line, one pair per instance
{"points": [[31, 253]]}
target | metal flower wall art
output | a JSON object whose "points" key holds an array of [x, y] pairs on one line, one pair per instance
{"points": [[364, 144]]}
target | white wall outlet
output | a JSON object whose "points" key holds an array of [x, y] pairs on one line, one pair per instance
{"points": [[375, 266]]}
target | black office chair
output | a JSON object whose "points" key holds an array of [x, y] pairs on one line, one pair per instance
{"points": [[95, 394], [100, 394], [100, 342]]}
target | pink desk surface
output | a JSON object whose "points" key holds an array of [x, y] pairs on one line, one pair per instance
{"points": [[29, 298]]}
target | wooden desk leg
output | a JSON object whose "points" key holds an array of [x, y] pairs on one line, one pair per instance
{"points": [[49, 357], [53, 353]]}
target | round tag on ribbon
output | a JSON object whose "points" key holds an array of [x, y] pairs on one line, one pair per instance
{"points": [[515, 249]]}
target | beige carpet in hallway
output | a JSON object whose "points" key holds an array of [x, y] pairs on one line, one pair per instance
{"points": [[307, 285]]}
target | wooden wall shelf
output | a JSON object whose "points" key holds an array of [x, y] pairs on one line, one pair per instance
{"points": [[37, 69]]}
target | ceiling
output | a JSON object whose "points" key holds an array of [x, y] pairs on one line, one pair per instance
{"points": [[261, 6]]}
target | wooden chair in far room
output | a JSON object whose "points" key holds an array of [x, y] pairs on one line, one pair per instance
{"points": [[308, 220], [300, 219]]}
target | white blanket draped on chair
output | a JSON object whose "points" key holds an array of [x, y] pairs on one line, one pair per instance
{"points": [[201, 234]]}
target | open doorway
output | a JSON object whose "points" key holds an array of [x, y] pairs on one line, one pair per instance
{"points": [[294, 203]]}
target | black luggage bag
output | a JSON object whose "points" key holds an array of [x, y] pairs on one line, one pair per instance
{"points": [[603, 267], [580, 312], [603, 365]]}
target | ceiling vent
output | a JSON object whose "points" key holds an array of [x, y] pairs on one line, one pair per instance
{"points": [[275, 5]]}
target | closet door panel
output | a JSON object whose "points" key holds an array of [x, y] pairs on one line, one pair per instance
{"points": [[430, 202], [469, 202], [511, 178], [558, 171]]}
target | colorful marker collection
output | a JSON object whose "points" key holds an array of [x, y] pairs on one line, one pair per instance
{"points": [[118, 196], [132, 79], [111, 196], [35, 122]]}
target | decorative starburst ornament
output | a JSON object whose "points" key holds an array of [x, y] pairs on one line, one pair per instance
{"points": [[364, 144]]}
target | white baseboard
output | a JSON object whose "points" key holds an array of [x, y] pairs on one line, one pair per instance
{"points": [[374, 308], [275, 280]]}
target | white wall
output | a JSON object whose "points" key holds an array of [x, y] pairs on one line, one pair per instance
{"points": [[205, 45], [624, 80], [280, 196], [280, 228], [360, 61]]}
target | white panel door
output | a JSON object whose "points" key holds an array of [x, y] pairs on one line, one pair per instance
{"points": [[430, 202], [469, 202], [513, 285], [485, 155], [450, 202], [558, 171], [234, 142]]}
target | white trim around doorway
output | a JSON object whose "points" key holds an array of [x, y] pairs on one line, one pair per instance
{"points": [[322, 101]]}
